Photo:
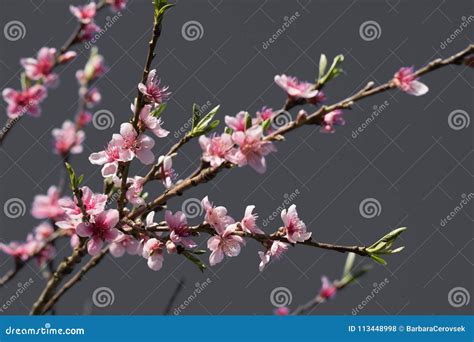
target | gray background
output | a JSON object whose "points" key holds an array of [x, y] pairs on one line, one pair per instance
{"points": [[409, 159]]}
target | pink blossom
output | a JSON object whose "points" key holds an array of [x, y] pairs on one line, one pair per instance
{"points": [[41, 68], [117, 5], [67, 139], [95, 67], [135, 144], [69, 227], [406, 80], [110, 157], [248, 223], [153, 251], [47, 206], [328, 290], [276, 250], [91, 97], [150, 122], [225, 243], [264, 114], [295, 228], [88, 31], [43, 231], [178, 225], [152, 89], [283, 311], [123, 243], [25, 101], [237, 123], [252, 149], [217, 148], [67, 56], [135, 190], [332, 119], [294, 88], [83, 118], [320, 97], [94, 203], [85, 14], [100, 229], [166, 173], [216, 216], [19, 250]]}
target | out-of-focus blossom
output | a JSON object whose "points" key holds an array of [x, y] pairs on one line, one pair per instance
{"points": [[67, 139], [26, 101], [47, 206], [84, 14], [117, 5], [328, 290], [41, 68], [91, 97], [331, 119], [88, 31]]}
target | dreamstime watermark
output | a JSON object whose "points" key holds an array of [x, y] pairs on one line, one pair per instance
{"points": [[377, 288], [46, 330], [109, 22], [377, 110], [103, 119], [14, 208], [462, 204], [281, 297], [103, 296], [458, 119], [14, 30], [281, 119], [192, 208], [288, 199], [199, 288], [192, 30], [287, 22], [458, 297], [370, 30], [22, 287], [465, 21], [370, 208], [188, 124]]}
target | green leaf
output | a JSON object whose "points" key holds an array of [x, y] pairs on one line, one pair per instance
{"points": [[228, 130], [158, 110], [333, 71], [195, 260], [266, 124], [248, 120], [161, 6], [80, 179], [196, 115], [378, 259], [211, 126], [206, 124], [25, 81], [323, 62], [349, 264], [199, 251]]}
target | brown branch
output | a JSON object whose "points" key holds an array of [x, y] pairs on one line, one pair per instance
{"points": [[74, 279]]}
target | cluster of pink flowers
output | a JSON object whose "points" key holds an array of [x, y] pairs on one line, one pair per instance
{"points": [[131, 143], [85, 15], [35, 244], [245, 146]]}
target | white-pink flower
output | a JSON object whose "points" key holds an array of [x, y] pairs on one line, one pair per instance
{"points": [[117, 5], [295, 88], [248, 223], [166, 172], [216, 216], [67, 139], [47, 206], [24, 101], [110, 157], [19, 250], [123, 243], [217, 148], [226, 243], [41, 68], [237, 123], [153, 251], [276, 250], [406, 80], [100, 229], [94, 203], [136, 145], [150, 122], [252, 149], [135, 190], [152, 89], [295, 228], [84, 14], [178, 226], [331, 119]]}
